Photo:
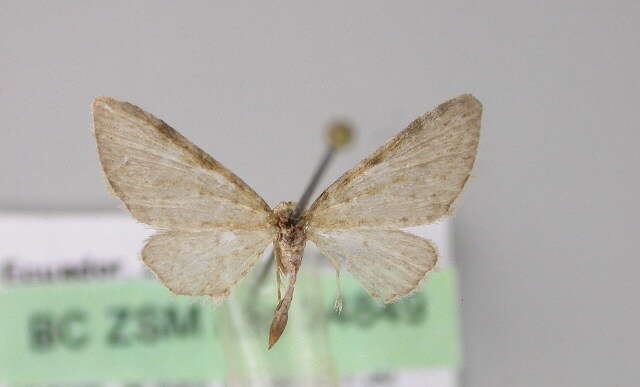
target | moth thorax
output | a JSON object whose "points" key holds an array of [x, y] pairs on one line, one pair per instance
{"points": [[290, 238]]}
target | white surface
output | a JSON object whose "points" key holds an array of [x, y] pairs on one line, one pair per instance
{"points": [[546, 232], [38, 244]]}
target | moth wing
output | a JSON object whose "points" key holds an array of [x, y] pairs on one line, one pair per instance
{"points": [[207, 263], [166, 181], [389, 264], [412, 180]]}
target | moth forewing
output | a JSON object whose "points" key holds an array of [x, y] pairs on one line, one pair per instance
{"points": [[411, 180], [166, 181]]}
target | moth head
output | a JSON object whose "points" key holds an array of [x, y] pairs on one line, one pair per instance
{"points": [[283, 211]]}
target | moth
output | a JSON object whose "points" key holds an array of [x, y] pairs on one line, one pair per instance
{"points": [[212, 227]]}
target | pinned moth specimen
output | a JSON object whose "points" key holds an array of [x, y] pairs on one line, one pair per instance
{"points": [[212, 227]]}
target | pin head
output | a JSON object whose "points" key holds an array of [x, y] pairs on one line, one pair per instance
{"points": [[339, 134]]}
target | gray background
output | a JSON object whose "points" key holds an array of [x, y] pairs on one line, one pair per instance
{"points": [[544, 231]]}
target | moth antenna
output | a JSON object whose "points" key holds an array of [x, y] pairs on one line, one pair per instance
{"points": [[279, 271], [279, 284], [337, 305]]}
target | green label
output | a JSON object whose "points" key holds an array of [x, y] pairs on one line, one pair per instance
{"points": [[137, 331]]}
